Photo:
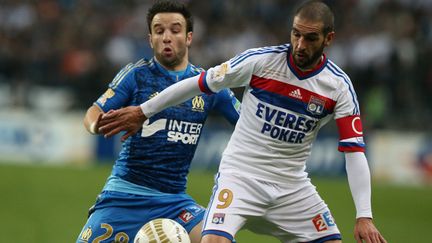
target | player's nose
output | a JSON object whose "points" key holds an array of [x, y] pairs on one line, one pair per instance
{"points": [[166, 37], [301, 44]]}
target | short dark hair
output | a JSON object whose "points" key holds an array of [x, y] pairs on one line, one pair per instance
{"points": [[317, 11], [165, 6]]}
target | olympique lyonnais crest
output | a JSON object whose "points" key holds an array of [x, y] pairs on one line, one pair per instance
{"points": [[316, 105], [218, 218]]}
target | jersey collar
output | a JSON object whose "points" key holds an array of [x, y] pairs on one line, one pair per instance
{"points": [[177, 77], [301, 74]]}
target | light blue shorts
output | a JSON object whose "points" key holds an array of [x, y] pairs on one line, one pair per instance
{"points": [[117, 216]]}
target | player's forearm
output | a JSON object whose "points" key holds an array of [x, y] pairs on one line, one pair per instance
{"points": [[359, 181], [173, 95], [91, 118]]}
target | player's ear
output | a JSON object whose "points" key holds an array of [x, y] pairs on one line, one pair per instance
{"points": [[188, 38], [150, 40], [329, 38]]}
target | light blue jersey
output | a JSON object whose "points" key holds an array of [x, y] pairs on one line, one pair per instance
{"points": [[159, 155]]}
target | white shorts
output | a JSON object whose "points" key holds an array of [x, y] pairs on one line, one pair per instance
{"points": [[292, 212]]}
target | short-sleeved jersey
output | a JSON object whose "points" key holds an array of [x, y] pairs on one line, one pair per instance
{"points": [[282, 110], [158, 156]]}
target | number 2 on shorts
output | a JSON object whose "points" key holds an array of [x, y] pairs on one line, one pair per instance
{"points": [[225, 197]]}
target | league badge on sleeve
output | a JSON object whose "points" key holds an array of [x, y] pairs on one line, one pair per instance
{"points": [[107, 95]]}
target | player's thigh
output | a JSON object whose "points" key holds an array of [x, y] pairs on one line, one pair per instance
{"points": [[234, 199], [214, 239], [119, 216], [102, 226], [303, 216], [195, 233]]}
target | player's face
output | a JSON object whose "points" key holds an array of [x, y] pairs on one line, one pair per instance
{"points": [[308, 41], [169, 40]]}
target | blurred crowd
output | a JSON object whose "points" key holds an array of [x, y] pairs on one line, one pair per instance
{"points": [[61, 54]]}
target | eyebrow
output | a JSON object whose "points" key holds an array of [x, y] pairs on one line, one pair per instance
{"points": [[311, 34], [173, 24]]}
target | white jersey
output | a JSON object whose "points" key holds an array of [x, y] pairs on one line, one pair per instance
{"points": [[282, 110]]}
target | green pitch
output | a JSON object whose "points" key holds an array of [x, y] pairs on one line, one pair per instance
{"points": [[49, 205]]}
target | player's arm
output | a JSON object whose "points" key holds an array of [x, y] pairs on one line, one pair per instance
{"points": [[117, 95], [228, 105], [360, 185], [351, 143], [359, 181], [130, 118], [209, 82], [358, 174]]}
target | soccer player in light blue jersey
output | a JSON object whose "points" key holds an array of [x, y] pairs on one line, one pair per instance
{"points": [[148, 179]]}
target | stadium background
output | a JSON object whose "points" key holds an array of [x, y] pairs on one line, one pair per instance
{"points": [[57, 57]]}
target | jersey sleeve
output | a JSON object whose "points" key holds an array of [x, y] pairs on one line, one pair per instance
{"points": [[348, 121], [228, 105], [119, 91], [236, 72]]}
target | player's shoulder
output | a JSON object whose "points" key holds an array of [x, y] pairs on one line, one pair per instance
{"points": [[336, 72], [261, 53], [128, 71], [195, 70], [138, 65], [269, 49], [142, 64]]}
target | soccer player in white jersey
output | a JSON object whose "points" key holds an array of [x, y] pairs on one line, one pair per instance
{"points": [[291, 91]]}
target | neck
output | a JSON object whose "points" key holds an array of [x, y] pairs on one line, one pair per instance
{"points": [[177, 67]]}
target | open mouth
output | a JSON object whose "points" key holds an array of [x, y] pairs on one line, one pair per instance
{"points": [[167, 50], [300, 56]]}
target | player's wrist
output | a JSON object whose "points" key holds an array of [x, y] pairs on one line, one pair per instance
{"points": [[142, 111], [360, 219], [93, 128]]}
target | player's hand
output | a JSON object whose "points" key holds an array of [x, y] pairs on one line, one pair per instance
{"points": [[129, 119], [365, 231]]}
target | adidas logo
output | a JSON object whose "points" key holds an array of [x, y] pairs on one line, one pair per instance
{"points": [[296, 94]]}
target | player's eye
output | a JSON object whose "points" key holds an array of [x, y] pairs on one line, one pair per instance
{"points": [[295, 33], [176, 30], [159, 31], [311, 38]]}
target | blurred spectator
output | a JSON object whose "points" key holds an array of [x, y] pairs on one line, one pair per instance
{"points": [[77, 46]]}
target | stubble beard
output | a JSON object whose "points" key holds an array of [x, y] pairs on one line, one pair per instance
{"points": [[173, 61], [309, 62]]}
